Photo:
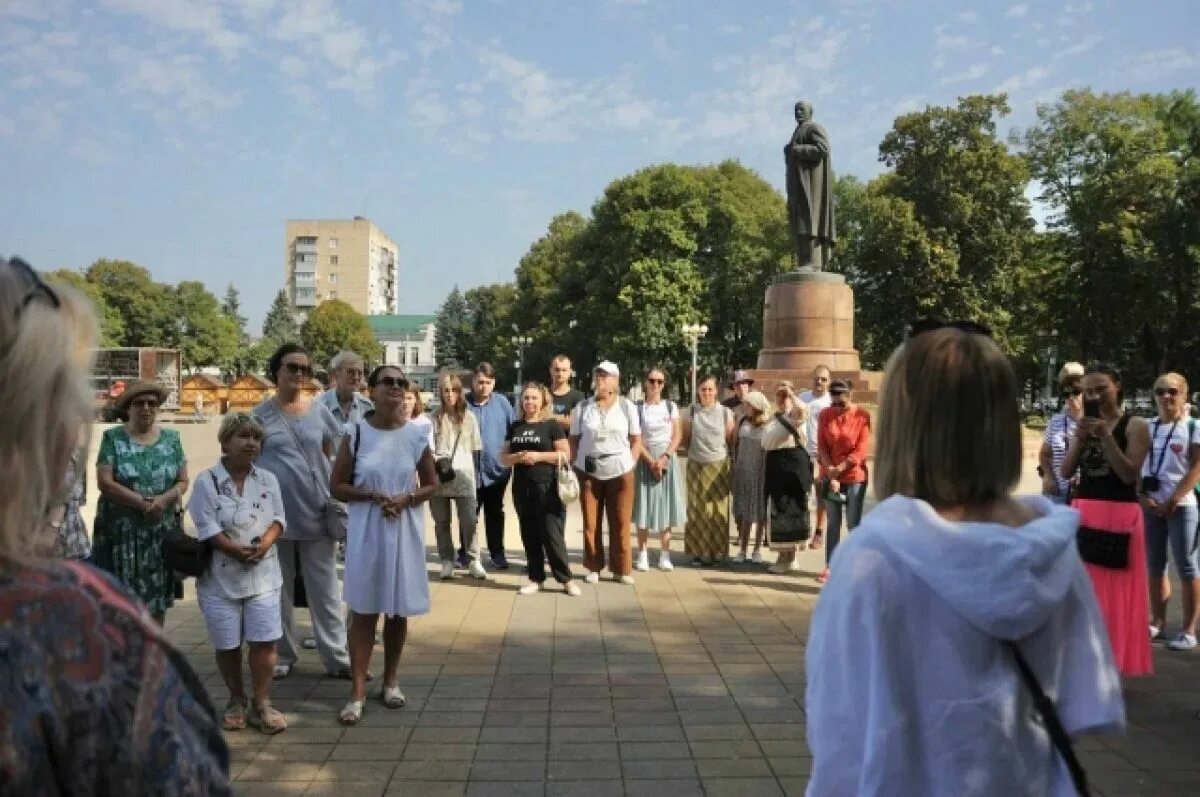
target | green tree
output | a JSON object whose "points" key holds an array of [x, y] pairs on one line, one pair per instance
{"points": [[231, 306], [334, 326], [490, 313], [280, 325], [146, 307], [112, 325], [205, 336], [451, 336]]}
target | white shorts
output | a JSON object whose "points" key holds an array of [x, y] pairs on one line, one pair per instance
{"points": [[231, 622]]}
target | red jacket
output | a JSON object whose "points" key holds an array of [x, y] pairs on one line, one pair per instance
{"points": [[844, 437]]}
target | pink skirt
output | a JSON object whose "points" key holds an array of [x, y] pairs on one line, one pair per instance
{"points": [[1122, 594]]}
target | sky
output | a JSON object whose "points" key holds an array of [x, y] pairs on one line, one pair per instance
{"points": [[181, 134]]}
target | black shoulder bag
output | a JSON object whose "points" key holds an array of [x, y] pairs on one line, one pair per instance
{"points": [[444, 466], [1054, 727], [183, 553]]}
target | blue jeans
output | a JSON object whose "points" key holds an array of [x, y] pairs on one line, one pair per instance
{"points": [[1179, 531], [853, 506]]}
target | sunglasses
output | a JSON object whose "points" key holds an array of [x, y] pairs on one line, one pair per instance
{"points": [[1072, 393], [298, 369], [930, 324], [39, 290], [148, 404], [1166, 391], [392, 382], [656, 381]]}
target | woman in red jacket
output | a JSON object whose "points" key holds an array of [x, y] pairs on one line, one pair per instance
{"points": [[843, 433]]}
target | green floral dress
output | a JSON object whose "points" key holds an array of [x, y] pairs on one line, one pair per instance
{"points": [[125, 543]]}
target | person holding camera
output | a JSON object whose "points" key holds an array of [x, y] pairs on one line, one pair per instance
{"points": [[1109, 448], [606, 441], [1059, 431], [457, 439], [238, 509], [1169, 477]]}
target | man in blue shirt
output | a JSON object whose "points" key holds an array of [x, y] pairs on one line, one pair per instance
{"points": [[494, 414], [343, 399]]}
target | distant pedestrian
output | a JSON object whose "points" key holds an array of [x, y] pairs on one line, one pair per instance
{"points": [[817, 399], [198, 406], [1060, 430], [953, 602], [708, 426], [843, 440], [536, 447], [414, 406], [660, 499], [563, 397], [65, 518], [749, 474], [605, 444], [456, 449], [1109, 448], [494, 414], [384, 471], [300, 435]]}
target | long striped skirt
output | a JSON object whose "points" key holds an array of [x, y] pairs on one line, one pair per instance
{"points": [[707, 530]]}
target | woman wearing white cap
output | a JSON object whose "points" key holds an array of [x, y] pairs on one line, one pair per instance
{"points": [[605, 443]]}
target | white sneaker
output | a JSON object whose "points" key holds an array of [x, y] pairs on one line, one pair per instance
{"points": [[447, 570], [628, 580], [664, 562], [779, 568], [1182, 642], [740, 559], [529, 588], [757, 558], [477, 570], [592, 577], [643, 561], [794, 566], [573, 589]]}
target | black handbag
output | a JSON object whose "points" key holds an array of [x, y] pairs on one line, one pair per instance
{"points": [[444, 466], [183, 553], [1103, 548]]}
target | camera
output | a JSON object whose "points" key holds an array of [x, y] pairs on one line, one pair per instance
{"points": [[1091, 408], [590, 463], [1150, 484]]}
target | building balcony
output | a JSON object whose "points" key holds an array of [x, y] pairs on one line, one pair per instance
{"points": [[305, 249]]}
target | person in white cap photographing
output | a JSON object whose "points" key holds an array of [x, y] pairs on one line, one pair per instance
{"points": [[605, 443]]}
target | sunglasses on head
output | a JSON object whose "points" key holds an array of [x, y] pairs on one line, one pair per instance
{"points": [[930, 324], [392, 382], [40, 289], [1166, 391], [298, 369]]}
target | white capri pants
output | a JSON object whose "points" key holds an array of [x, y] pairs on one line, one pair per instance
{"points": [[233, 621]]}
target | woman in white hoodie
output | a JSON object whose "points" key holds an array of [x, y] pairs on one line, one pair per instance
{"points": [[914, 680]]}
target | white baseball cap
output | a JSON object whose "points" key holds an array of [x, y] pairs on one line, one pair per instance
{"points": [[608, 367]]}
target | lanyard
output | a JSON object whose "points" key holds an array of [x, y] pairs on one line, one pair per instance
{"points": [[1162, 455]]}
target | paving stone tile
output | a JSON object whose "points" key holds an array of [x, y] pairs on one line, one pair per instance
{"points": [[356, 770], [521, 734], [592, 788], [426, 788], [583, 770], [272, 789], [509, 751], [500, 789], [312, 753], [777, 730], [432, 751], [741, 787], [732, 768], [361, 735], [347, 789], [446, 735], [499, 771], [726, 748], [510, 719], [657, 769], [582, 751], [784, 766], [686, 787], [794, 787], [432, 770], [650, 733], [588, 733], [784, 748], [352, 751], [279, 771]]}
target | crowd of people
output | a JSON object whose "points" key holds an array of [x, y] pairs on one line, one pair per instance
{"points": [[951, 613]]}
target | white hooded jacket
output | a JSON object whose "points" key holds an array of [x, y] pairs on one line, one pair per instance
{"points": [[910, 689]]}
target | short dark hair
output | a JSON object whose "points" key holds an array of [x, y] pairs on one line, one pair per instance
{"points": [[708, 378], [276, 361], [1109, 370], [373, 377], [485, 369]]}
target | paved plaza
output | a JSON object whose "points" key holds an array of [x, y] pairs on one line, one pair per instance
{"points": [[690, 682]]}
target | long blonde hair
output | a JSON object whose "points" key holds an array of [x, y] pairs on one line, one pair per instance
{"points": [[455, 413], [45, 357], [547, 409]]}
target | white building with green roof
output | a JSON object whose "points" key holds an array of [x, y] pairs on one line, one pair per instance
{"points": [[408, 342]]}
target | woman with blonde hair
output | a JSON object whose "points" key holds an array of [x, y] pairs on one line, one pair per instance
{"points": [[96, 666], [1059, 432], [955, 602], [456, 440], [1169, 477], [749, 462], [535, 446]]}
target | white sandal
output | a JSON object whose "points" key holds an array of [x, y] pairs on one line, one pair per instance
{"points": [[352, 712], [393, 697]]}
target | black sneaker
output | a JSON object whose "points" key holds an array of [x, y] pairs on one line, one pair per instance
{"points": [[499, 562]]}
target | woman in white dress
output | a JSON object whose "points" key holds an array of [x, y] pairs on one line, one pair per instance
{"points": [[384, 471]]}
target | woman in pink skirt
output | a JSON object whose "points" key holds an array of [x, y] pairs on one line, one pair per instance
{"points": [[1109, 448]]}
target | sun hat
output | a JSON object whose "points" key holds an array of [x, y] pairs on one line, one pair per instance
{"points": [[140, 388], [740, 376], [609, 367], [756, 400]]}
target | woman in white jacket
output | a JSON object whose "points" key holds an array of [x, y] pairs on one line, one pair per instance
{"points": [[914, 685]]}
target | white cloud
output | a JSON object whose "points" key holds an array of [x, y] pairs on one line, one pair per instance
{"points": [[293, 66], [1022, 80], [968, 17], [1081, 46], [176, 84], [199, 17], [662, 48], [434, 21], [1157, 64], [1017, 11], [92, 152], [974, 72], [542, 106], [729, 29]]}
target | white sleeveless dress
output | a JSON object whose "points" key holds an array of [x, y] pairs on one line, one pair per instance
{"points": [[385, 558]]}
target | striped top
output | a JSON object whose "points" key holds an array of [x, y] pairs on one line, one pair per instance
{"points": [[1059, 432]]}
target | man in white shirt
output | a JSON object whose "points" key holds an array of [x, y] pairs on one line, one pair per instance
{"points": [[816, 400]]}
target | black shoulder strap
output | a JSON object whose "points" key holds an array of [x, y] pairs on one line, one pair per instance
{"points": [[641, 407], [216, 484], [1049, 714]]}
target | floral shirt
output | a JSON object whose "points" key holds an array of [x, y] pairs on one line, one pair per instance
{"points": [[72, 540], [93, 699]]}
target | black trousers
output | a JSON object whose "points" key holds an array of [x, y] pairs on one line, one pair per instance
{"points": [[490, 500], [542, 517]]}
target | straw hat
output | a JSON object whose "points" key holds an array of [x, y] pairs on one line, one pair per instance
{"points": [[140, 388], [756, 400]]}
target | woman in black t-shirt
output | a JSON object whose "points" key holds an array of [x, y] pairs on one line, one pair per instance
{"points": [[533, 448]]}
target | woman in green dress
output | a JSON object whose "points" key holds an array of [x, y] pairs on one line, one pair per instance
{"points": [[142, 476]]}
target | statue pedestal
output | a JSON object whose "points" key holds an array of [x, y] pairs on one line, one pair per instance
{"points": [[808, 320]]}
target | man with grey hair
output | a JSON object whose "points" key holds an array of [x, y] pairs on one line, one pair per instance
{"points": [[347, 371]]}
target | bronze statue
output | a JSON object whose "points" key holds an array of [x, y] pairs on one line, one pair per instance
{"points": [[810, 192]]}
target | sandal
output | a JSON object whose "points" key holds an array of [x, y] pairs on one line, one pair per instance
{"points": [[815, 543], [352, 712], [235, 714], [393, 697], [267, 718]]}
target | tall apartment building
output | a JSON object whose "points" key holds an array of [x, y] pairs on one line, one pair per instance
{"points": [[352, 260]]}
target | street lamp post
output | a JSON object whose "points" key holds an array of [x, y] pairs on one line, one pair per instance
{"points": [[692, 334], [520, 341]]}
